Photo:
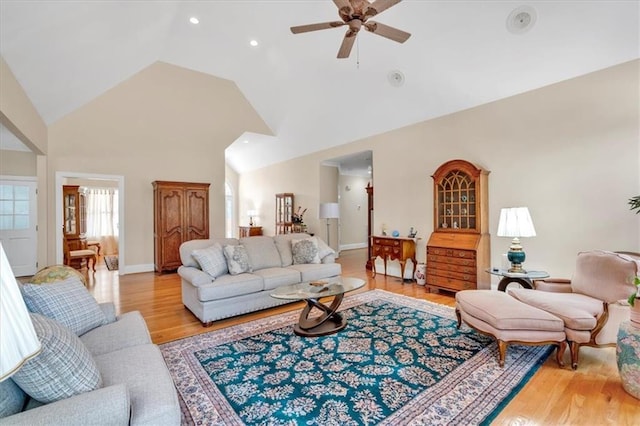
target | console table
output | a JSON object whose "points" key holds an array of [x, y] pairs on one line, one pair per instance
{"points": [[249, 231], [393, 248]]}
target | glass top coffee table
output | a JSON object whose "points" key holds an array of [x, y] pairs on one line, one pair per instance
{"points": [[328, 321]]}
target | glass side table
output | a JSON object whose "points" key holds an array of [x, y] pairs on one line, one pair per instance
{"points": [[524, 279]]}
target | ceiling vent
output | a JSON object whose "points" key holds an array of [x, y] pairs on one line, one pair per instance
{"points": [[521, 19]]}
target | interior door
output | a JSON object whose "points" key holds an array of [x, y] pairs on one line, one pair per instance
{"points": [[18, 225]]}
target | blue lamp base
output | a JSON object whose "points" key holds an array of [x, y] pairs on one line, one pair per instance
{"points": [[516, 257]]}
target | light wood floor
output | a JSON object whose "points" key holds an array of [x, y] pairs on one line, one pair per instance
{"points": [[592, 395]]}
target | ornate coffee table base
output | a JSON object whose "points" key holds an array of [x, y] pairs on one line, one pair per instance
{"points": [[328, 322]]}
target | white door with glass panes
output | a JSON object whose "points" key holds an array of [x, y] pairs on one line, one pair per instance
{"points": [[18, 225]]}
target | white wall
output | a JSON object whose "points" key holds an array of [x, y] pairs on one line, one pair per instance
{"points": [[569, 151]]}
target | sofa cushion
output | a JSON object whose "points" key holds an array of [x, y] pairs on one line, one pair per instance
{"points": [[277, 277], [579, 312], [129, 330], [262, 252], [211, 260], [283, 244], [154, 400], [305, 251], [317, 271], [46, 377], [12, 398], [68, 302], [230, 286], [237, 259]]}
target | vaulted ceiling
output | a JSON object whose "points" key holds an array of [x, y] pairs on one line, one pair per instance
{"points": [[460, 54]]}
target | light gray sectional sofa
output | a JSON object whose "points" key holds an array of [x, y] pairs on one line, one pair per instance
{"points": [[129, 381], [272, 263]]}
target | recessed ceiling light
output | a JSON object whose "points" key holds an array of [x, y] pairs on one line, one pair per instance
{"points": [[253, 43], [194, 20], [246, 141]]}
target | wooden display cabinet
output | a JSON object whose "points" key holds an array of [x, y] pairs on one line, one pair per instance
{"points": [[284, 213], [181, 213], [74, 214], [458, 251]]}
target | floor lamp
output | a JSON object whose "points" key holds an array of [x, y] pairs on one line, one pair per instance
{"points": [[329, 211]]}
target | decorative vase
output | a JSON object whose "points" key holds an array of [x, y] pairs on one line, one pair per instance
{"points": [[421, 274], [628, 358], [634, 314]]}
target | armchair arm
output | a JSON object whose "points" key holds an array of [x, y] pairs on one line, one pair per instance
{"points": [[553, 285], [108, 405]]}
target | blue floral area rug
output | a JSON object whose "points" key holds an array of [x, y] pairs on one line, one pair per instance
{"points": [[399, 361]]}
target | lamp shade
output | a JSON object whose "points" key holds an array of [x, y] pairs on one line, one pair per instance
{"points": [[329, 211], [515, 222], [252, 213], [18, 338]]}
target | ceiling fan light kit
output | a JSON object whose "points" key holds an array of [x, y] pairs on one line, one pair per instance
{"points": [[356, 14]]}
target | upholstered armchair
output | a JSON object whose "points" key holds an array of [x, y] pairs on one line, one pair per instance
{"points": [[593, 303]]}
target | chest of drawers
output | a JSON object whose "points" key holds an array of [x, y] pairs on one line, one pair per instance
{"points": [[457, 261]]}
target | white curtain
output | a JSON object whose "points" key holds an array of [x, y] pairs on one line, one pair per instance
{"points": [[102, 218]]}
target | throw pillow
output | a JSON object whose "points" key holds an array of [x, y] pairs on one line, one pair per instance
{"points": [[305, 251], [55, 273], [237, 259], [211, 260], [63, 368], [68, 302]]}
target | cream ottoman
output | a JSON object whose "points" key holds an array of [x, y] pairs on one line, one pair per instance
{"points": [[509, 321]]}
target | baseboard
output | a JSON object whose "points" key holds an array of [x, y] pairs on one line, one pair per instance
{"points": [[136, 269], [353, 246]]}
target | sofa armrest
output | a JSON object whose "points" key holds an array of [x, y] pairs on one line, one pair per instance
{"points": [[330, 258], [553, 285], [194, 276], [108, 405]]}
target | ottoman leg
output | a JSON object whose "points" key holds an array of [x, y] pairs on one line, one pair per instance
{"points": [[502, 348], [459, 317]]}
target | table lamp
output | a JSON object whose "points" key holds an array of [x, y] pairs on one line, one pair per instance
{"points": [[18, 338], [515, 222], [251, 214], [329, 211]]}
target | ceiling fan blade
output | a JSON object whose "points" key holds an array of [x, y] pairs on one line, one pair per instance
{"points": [[387, 31], [342, 3], [315, 27], [379, 6], [347, 44]]}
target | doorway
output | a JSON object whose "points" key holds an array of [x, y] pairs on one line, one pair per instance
{"points": [[61, 178], [354, 175]]}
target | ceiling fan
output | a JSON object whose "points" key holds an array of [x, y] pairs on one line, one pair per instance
{"points": [[356, 14]]}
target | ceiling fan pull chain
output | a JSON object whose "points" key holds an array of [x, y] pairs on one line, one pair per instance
{"points": [[357, 53]]}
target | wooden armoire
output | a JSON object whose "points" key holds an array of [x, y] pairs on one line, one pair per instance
{"points": [[180, 213]]}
